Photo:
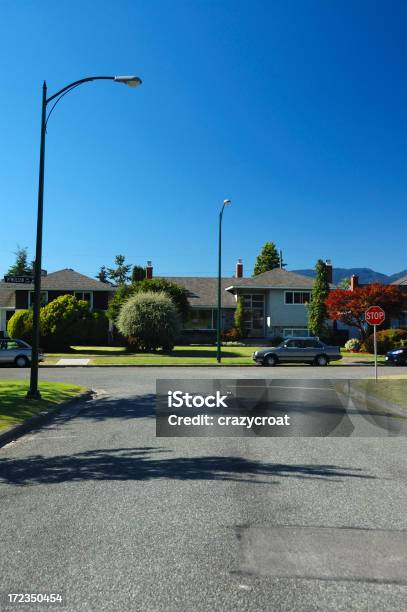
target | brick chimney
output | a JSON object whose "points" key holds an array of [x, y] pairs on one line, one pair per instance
{"points": [[239, 269], [354, 282], [149, 270], [328, 265]]}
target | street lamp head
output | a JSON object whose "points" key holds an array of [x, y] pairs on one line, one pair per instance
{"points": [[227, 202], [131, 81]]}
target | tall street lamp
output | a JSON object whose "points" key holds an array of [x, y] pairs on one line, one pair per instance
{"points": [[131, 81], [218, 326]]}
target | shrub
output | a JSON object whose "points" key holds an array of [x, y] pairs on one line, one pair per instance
{"points": [[386, 340], [239, 318], [149, 321], [122, 294], [353, 345], [20, 325], [179, 295], [63, 322], [96, 328], [231, 335]]}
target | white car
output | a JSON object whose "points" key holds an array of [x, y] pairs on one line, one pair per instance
{"points": [[17, 352]]}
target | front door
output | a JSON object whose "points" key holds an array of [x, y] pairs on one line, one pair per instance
{"points": [[254, 315]]}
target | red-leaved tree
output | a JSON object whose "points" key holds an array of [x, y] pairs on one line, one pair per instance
{"points": [[349, 306]]}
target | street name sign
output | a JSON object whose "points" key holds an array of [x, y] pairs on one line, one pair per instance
{"points": [[24, 280]]}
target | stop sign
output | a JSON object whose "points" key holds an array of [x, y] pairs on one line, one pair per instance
{"points": [[375, 315]]}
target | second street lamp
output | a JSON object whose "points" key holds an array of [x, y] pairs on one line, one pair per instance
{"points": [[131, 81], [219, 317]]}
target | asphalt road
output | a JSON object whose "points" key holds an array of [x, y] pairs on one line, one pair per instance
{"points": [[95, 506]]}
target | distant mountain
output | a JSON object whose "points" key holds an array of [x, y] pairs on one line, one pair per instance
{"points": [[366, 275]]}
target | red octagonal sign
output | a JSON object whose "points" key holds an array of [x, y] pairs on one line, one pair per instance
{"points": [[375, 315]]}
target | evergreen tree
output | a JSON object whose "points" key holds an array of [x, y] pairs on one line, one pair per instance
{"points": [[21, 266], [239, 317], [120, 274], [317, 310], [268, 259], [344, 283], [102, 275], [138, 274]]}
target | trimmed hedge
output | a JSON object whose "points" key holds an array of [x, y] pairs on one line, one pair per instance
{"points": [[149, 321], [387, 339], [20, 325]]}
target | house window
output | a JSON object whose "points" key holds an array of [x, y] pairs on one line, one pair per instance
{"points": [[43, 299], [293, 332], [84, 295], [253, 309], [297, 297], [200, 318]]}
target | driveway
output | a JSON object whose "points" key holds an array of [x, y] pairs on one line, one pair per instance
{"points": [[95, 506]]}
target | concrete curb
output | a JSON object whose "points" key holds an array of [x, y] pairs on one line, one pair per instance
{"points": [[187, 365], [40, 419]]}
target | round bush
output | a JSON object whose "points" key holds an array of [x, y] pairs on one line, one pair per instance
{"points": [[63, 322], [20, 325], [353, 345], [149, 321], [386, 340]]}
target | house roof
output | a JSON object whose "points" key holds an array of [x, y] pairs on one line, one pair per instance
{"points": [[203, 291], [277, 278], [400, 281], [62, 280]]}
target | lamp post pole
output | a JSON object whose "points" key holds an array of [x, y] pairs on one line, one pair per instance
{"points": [[219, 313], [33, 392], [132, 81]]}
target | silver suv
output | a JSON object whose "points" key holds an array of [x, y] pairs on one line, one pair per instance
{"points": [[17, 352], [292, 350]]}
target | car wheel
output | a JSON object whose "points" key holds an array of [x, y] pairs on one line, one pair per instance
{"points": [[21, 362], [270, 360], [321, 360]]}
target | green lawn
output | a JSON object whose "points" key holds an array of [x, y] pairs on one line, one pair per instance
{"points": [[14, 408], [181, 355], [391, 389]]}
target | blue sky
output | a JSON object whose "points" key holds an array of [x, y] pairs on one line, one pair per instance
{"points": [[294, 109]]}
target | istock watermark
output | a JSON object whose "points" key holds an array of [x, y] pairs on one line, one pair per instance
{"points": [[278, 408]]}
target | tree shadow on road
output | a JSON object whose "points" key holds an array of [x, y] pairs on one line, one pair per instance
{"points": [[136, 407], [144, 464]]}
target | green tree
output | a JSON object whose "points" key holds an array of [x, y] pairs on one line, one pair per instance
{"points": [[120, 274], [239, 317], [179, 295], [137, 274], [21, 267], [344, 283], [20, 325], [102, 275], [268, 259], [149, 320], [63, 322], [317, 310], [121, 295]]}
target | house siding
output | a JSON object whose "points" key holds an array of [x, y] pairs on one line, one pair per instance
{"points": [[280, 314]]}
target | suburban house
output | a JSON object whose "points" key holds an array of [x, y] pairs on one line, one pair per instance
{"points": [[17, 295], [275, 302], [401, 283]]}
